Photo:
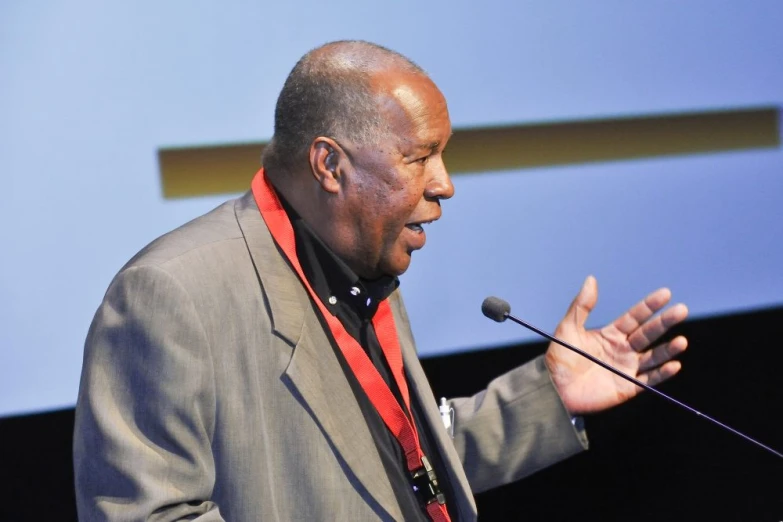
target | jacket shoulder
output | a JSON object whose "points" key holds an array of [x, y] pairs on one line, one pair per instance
{"points": [[196, 239]]}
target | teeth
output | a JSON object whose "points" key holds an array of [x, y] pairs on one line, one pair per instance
{"points": [[418, 227]]}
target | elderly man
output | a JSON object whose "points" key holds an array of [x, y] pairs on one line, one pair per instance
{"points": [[257, 363]]}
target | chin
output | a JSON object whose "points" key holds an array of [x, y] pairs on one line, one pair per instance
{"points": [[398, 268], [399, 272]]}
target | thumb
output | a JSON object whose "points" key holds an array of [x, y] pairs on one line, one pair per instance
{"points": [[583, 303]]}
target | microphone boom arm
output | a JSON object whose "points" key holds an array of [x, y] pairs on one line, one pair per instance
{"points": [[507, 315]]}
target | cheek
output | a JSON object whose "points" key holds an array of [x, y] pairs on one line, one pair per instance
{"points": [[397, 212], [389, 200]]}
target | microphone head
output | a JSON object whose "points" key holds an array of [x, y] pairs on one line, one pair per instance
{"points": [[496, 309]]}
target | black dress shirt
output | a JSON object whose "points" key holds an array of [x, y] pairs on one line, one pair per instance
{"points": [[354, 302]]}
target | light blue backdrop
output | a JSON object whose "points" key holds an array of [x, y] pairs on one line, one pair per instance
{"points": [[90, 90]]}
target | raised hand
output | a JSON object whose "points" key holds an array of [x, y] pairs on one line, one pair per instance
{"points": [[625, 344]]}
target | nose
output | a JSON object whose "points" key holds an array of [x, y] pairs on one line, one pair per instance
{"points": [[439, 185]]}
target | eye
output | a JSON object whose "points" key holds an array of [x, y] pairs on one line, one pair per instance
{"points": [[422, 161]]}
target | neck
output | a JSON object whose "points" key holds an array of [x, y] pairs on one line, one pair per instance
{"points": [[318, 209]]}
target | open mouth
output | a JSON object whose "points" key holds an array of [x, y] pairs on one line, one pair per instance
{"points": [[417, 227]]}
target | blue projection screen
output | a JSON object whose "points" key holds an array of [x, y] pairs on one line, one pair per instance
{"points": [[91, 91]]}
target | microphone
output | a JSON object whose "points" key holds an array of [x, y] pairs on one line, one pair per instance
{"points": [[499, 310], [496, 309]]}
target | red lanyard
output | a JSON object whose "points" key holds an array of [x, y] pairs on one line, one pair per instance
{"points": [[381, 397]]}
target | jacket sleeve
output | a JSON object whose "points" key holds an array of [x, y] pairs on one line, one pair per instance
{"points": [[146, 406], [515, 427]]}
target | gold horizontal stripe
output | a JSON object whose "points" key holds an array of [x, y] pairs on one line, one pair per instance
{"points": [[202, 170]]}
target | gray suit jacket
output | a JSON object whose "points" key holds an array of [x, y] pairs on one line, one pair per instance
{"points": [[209, 391]]}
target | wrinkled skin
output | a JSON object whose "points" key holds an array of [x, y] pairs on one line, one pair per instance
{"points": [[625, 344], [384, 187]]}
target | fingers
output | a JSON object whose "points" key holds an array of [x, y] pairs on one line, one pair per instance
{"points": [[649, 331], [583, 303], [661, 354], [643, 310], [660, 374]]}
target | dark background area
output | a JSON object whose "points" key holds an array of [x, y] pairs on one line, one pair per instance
{"points": [[649, 460]]}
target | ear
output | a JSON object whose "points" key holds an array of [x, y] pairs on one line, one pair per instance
{"points": [[327, 159]]}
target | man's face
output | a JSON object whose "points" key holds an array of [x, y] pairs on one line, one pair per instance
{"points": [[395, 187]]}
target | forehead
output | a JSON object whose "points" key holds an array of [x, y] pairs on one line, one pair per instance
{"points": [[412, 105]]}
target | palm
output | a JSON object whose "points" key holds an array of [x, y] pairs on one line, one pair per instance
{"points": [[626, 343]]}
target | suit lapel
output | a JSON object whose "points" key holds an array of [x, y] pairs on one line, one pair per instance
{"points": [[419, 385], [314, 372], [318, 377], [283, 293]]}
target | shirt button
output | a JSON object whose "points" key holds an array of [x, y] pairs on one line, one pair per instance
{"points": [[355, 291], [332, 300]]}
